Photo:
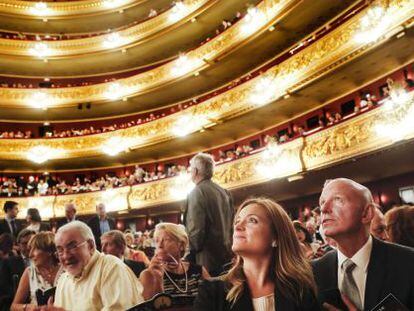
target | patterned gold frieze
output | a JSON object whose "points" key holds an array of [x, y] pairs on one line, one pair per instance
{"points": [[329, 52], [57, 10], [360, 135], [228, 40], [354, 137]]}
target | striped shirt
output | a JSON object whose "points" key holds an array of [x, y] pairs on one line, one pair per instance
{"points": [[194, 276]]}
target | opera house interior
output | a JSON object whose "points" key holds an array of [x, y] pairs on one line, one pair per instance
{"points": [[154, 152]]}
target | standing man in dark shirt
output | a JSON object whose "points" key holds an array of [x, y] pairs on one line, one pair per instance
{"points": [[208, 217]]}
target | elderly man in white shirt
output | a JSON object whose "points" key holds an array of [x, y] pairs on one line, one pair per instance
{"points": [[92, 281], [363, 270]]}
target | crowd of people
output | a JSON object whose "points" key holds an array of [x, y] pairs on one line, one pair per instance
{"points": [[72, 36], [60, 84], [21, 186], [329, 116], [345, 255]]}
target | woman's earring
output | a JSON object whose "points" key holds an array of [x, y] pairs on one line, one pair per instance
{"points": [[274, 244]]}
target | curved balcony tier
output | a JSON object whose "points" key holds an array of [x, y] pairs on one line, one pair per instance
{"points": [[315, 61], [84, 94], [124, 38], [84, 24], [356, 137], [64, 9]]}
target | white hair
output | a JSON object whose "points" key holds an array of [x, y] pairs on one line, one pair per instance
{"points": [[362, 190], [204, 163], [80, 227], [70, 205]]}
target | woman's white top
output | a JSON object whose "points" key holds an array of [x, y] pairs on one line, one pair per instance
{"points": [[265, 303], [36, 281], [34, 227]]}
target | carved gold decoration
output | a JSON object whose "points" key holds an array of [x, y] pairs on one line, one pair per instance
{"points": [[62, 9], [353, 137], [228, 40], [130, 36], [328, 53]]}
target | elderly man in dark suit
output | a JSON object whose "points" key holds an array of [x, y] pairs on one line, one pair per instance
{"points": [[208, 217], [363, 269], [9, 223], [100, 224]]}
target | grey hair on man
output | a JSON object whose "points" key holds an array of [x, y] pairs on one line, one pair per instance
{"points": [[80, 227], [204, 164], [118, 238], [364, 192]]}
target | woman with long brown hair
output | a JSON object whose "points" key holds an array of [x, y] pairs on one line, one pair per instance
{"points": [[270, 271]]}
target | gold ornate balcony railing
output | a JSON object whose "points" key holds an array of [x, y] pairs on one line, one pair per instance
{"points": [[267, 12], [333, 50], [367, 132], [52, 10], [124, 38]]}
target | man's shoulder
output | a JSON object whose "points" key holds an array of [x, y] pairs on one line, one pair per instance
{"points": [[396, 253], [110, 262], [93, 220], [326, 260]]}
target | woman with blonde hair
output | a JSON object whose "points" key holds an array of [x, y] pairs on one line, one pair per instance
{"points": [[39, 279], [270, 271], [168, 272]]}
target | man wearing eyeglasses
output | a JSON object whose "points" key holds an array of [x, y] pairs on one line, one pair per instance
{"points": [[92, 281]]}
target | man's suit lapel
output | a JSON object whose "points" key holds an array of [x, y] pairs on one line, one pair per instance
{"points": [[375, 276], [329, 276]]}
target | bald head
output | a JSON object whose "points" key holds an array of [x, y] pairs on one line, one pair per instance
{"points": [[70, 210], [346, 210], [360, 191]]}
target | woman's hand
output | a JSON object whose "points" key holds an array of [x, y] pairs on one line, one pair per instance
{"points": [[156, 268], [152, 278]]}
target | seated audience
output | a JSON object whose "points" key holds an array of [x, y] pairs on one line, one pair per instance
{"points": [[305, 240], [23, 243], [365, 270], [270, 271], [378, 227], [11, 269], [35, 221], [41, 276], [134, 254], [91, 280], [113, 243], [167, 272], [400, 225]]}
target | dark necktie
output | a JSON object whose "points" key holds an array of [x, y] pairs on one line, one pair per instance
{"points": [[13, 226]]}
